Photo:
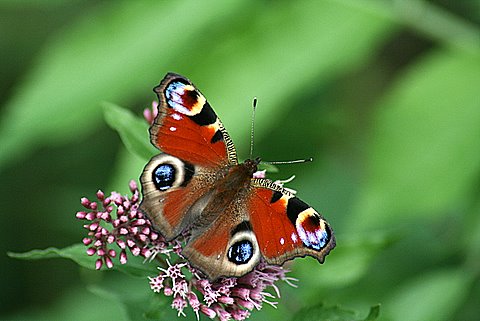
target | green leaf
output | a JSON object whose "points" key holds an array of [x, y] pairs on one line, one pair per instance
{"points": [[320, 312], [74, 252], [434, 296], [132, 130], [424, 150], [77, 253]]}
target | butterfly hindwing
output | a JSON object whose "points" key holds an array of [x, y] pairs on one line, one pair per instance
{"points": [[174, 193], [228, 247], [285, 226]]}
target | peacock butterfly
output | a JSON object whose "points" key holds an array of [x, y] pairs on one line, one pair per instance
{"points": [[197, 184]]}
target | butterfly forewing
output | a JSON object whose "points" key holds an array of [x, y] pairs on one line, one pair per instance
{"points": [[187, 127]]}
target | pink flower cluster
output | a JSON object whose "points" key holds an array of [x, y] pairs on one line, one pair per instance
{"points": [[116, 219], [115, 223], [226, 298]]}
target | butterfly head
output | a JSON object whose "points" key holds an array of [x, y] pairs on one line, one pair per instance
{"points": [[252, 165]]}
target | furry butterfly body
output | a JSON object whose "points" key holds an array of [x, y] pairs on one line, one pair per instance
{"points": [[198, 185]]}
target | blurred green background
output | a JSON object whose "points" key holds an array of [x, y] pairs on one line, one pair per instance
{"points": [[385, 95]]}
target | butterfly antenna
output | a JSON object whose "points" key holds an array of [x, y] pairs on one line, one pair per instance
{"points": [[305, 160], [252, 131]]}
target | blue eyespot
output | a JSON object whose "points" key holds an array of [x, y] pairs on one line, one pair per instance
{"points": [[164, 176], [241, 252]]}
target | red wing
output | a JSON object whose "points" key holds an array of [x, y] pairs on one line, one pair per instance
{"points": [[228, 247], [285, 226], [187, 127], [171, 191]]}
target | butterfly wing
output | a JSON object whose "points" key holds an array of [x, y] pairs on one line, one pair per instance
{"points": [[176, 185], [267, 221], [285, 226], [187, 127], [228, 247], [174, 193]]}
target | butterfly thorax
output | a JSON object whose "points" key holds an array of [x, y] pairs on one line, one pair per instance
{"points": [[238, 176], [232, 186]]}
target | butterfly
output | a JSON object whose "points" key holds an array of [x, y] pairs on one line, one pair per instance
{"points": [[197, 184]]}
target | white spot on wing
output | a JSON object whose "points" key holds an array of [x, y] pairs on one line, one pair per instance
{"points": [[172, 129], [294, 237], [177, 105], [282, 240]]}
